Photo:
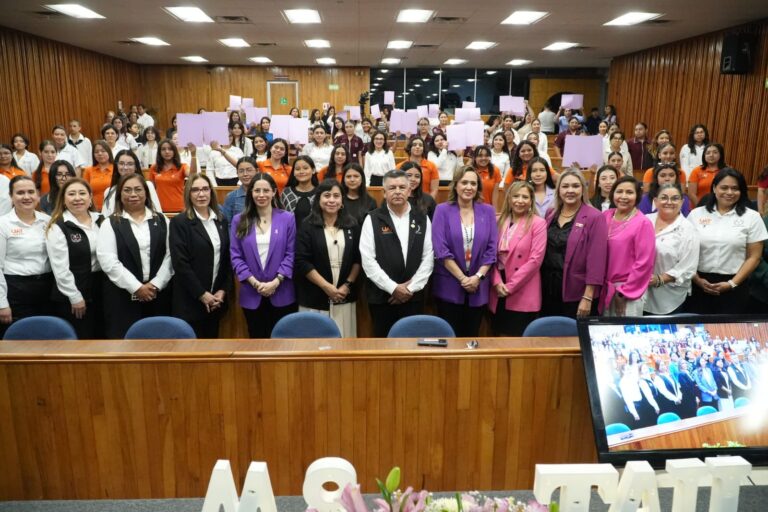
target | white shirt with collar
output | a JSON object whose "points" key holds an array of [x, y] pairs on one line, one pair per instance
{"points": [[22, 249], [108, 206], [689, 160], [84, 147], [113, 267], [219, 166], [145, 120], [129, 141], [377, 163], [28, 162], [213, 233], [724, 238], [5, 197], [402, 226], [321, 155], [72, 155], [58, 254]]}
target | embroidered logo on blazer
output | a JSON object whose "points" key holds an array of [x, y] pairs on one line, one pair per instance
{"points": [[76, 238]]}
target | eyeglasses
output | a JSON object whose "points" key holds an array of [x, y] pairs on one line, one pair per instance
{"points": [[60, 175], [126, 164], [198, 190], [670, 199]]}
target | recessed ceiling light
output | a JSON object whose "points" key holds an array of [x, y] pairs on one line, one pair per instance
{"points": [[456, 85], [76, 11], [235, 42], [317, 43], [411, 89], [390, 60], [379, 78], [260, 60], [633, 18], [414, 16], [518, 62], [417, 85], [559, 46], [302, 16], [425, 79], [195, 58], [437, 71], [151, 41], [399, 44], [444, 90], [490, 72], [189, 14], [404, 94], [480, 45], [524, 17], [470, 79], [326, 60], [454, 62]]}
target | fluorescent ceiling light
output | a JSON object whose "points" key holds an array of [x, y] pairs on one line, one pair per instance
{"points": [[151, 41], [411, 89], [454, 62], [390, 60], [437, 71], [470, 79], [444, 90], [518, 62], [456, 85], [524, 17], [302, 15], [383, 71], [559, 46], [399, 45], [235, 42], [260, 60], [317, 43], [189, 14], [480, 45], [414, 16], [379, 78], [490, 72], [417, 85], [195, 58], [326, 60], [76, 11], [633, 18], [425, 79]]}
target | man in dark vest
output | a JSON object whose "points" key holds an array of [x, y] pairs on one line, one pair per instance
{"points": [[396, 251]]}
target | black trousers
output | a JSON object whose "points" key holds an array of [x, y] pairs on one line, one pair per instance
{"points": [[510, 323], [735, 301], [376, 181], [226, 182], [464, 319], [120, 311], [384, 316], [262, 320], [28, 296], [91, 326]]}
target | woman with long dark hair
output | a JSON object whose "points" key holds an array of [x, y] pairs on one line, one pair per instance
{"points": [[490, 176], [61, 172], [99, 175], [168, 174], [298, 195], [700, 179], [604, 179], [357, 201], [417, 153], [540, 177], [692, 154], [418, 199], [338, 160], [378, 160], [126, 162], [41, 175], [276, 164]]}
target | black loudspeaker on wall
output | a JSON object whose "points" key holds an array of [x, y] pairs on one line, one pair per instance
{"points": [[736, 57]]}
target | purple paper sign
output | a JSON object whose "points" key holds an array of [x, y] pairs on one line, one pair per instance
{"points": [[468, 104], [215, 127], [474, 132], [375, 112], [354, 112], [234, 102], [255, 114], [190, 129], [396, 120], [247, 102], [512, 104], [389, 97], [457, 137], [411, 121], [434, 110], [572, 101], [423, 111], [280, 127], [586, 151], [298, 130], [342, 114], [467, 114]]}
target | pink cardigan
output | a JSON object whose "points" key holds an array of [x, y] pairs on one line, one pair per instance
{"points": [[521, 268], [631, 255]]}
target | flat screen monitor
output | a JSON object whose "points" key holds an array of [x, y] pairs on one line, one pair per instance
{"points": [[677, 387]]}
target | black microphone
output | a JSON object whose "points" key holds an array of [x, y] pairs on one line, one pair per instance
{"points": [[335, 242]]}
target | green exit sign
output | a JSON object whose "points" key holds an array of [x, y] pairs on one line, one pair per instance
{"points": [[333, 87]]}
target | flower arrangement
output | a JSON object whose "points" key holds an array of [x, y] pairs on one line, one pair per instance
{"points": [[395, 500]]}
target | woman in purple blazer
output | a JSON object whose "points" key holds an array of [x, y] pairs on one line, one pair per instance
{"points": [[464, 241], [577, 243], [262, 243], [516, 284]]}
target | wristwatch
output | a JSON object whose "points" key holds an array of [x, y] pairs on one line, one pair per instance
{"points": [[480, 276]]}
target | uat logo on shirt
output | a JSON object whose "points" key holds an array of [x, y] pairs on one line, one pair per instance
{"points": [[705, 221], [17, 231], [385, 230]]}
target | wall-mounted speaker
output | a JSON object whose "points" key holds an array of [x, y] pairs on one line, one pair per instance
{"points": [[737, 54]]}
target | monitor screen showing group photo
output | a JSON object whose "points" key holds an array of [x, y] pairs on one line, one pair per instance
{"points": [[677, 386]]}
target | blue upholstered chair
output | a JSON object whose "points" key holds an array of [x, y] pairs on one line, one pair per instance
{"points": [[707, 409], [40, 328], [305, 324], [160, 328], [742, 401], [667, 417], [421, 326], [616, 428], [554, 326]]}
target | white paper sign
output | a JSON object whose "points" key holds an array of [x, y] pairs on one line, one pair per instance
{"points": [[572, 101], [513, 104], [467, 114], [375, 112], [298, 130], [280, 127], [354, 112], [468, 104], [389, 97], [423, 111], [234, 102]]}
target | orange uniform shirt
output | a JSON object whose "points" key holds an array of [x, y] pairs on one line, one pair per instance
{"points": [[488, 183], [648, 176], [45, 184], [100, 180], [12, 172], [703, 180], [280, 175], [322, 173], [170, 187], [523, 176], [429, 172]]}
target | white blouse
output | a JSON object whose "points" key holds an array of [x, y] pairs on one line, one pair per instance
{"points": [[446, 162], [219, 166], [501, 162], [688, 160], [22, 249], [321, 155], [147, 155], [58, 253], [108, 206], [378, 163], [209, 225], [27, 162]]}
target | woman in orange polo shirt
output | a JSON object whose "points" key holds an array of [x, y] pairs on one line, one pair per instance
{"points": [[335, 168], [490, 177], [168, 174], [48, 155], [8, 166], [417, 152], [665, 154], [276, 164], [700, 180], [99, 176], [518, 169]]}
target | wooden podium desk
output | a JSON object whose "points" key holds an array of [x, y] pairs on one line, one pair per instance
{"points": [[148, 419]]}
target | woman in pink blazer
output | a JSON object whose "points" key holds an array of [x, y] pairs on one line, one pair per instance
{"points": [[516, 284]]}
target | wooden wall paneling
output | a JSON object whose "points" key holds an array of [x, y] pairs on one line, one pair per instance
{"points": [[678, 85], [542, 88]]}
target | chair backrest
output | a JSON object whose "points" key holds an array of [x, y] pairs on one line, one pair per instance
{"points": [[160, 328], [40, 328], [305, 324], [667, 417], [555, 326], [707, 409], [616, 428], [742, 401], [421, 326]]}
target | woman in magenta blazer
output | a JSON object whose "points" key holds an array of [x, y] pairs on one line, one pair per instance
{"points": [[574, 264], [262, 244], [464, 241], [516, 285]]}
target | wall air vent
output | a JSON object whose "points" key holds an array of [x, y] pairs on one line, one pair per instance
{"points": [[425, 46], [48, 15], [232, 20], [448, 20]]}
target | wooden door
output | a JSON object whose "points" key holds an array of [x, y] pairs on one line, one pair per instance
{"points": [[282, 97]]}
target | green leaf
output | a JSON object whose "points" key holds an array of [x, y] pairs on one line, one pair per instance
{"points": [[393, 479], [458, 503], [384, 492]]}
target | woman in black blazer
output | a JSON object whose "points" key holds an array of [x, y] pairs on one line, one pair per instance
{"points": [[328, 259], [199, 243]]}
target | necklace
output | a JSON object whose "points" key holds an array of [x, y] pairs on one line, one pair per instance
{"points": [[622, 224], [469, 237]]}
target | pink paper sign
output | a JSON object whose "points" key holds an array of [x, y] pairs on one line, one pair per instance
{"points": [[247, 102], [474, 133], [389, 97], [583, 150], [396, 120], [234, 102], [468, 104], [434, 110], [467, 114], [375, 112], [354, 112], [255, 114], [298, 130], [457, 137], [190, 129], [423, 111], [280, 127], [411, 121], [572, 101], [512, 104], [215, 127]]}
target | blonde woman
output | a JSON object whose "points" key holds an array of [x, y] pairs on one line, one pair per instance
{"points": [[516, 282]]}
